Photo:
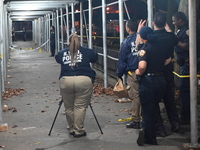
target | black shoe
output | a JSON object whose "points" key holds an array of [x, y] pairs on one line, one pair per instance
{"points": [[80, 135], [51, 56], [134, 125], [151, 142], [140, 140], [175, 128], [161, 133], [72, 133]]}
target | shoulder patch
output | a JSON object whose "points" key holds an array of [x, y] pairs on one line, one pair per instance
{"points": [[187, 32], [141, 53]]}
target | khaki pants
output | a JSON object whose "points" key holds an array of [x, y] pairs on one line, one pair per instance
{"points": [[76, 92], [134, 96]]}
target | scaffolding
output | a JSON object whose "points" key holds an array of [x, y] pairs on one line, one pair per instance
{"points": [[43, 16]]}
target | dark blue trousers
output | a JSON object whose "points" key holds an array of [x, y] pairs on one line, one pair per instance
{"points": [[151, 90], [52, 46], [168, 100], [184, 87]]}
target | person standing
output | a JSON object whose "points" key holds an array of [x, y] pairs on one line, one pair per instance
{"points": [[168, 41], [127, 64], [13, 35], [76, 83], [182, 52], [152, 59], [24, 34], [52, 41]]}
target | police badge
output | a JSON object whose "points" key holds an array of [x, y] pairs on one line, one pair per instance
{"points": [[187, 32], [142, 53]]}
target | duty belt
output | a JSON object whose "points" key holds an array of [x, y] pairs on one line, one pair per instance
{"points": [[154, 74]]}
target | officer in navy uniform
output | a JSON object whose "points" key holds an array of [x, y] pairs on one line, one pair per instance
{"points": [[52, 41], [168, 40], [152, 58], [182, 53], [127, 64]]}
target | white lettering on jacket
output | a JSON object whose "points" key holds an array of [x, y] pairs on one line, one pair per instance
{"points": [[133, 49], [67, 58]]}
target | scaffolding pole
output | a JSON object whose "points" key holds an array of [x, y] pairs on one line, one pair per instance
{"points": [[81, 22], [150, 12], [193, 73], [61, 28], [1, 46], [67, 23], [57, 27], [90, 23], [104, 43]]}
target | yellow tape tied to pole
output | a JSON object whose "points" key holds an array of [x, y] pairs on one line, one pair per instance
{"points": [[183, 76]]}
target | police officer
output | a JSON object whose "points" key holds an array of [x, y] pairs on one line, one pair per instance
{"points": [[152, 82], [127, 64], [168, 40], [13, 35], [52, 41], [182, 52]]}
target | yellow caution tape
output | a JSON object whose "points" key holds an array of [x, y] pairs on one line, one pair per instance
{"points": [[37, 143], [1, 55], [127, 119], [183, 76], [40, 50]]}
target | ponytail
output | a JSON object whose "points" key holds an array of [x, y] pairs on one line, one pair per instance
{"points": [[74, 46]]}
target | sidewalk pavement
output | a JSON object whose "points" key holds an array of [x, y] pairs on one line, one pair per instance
{"points": [[31, 113]]}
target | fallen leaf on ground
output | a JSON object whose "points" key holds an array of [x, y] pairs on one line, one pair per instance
{"points": [[14, 126], [43, 111], [9, 76], [14, 110], [98, 89], [5, 108], [6, 83], [9, 92]]}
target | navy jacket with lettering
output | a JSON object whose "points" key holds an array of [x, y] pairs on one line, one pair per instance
{"points": [[84, 58], [128, 56]]}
